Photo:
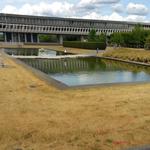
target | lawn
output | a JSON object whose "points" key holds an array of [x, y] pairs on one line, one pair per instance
{"points": [[35, 115], [139, 55]]}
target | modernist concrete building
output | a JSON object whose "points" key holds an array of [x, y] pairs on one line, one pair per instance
{"points": [[23, 28]]}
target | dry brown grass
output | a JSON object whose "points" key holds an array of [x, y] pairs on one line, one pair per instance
{"points": [[37, 116], [139, 55]]}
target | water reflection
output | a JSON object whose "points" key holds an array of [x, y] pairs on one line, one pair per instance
{"points": [[22, 51], [34, 52], [48, 52], [82, 71], [134, 68], [65, 65]]}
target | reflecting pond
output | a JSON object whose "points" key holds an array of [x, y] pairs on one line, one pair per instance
{"points": [[34, 52], [90, 71]]}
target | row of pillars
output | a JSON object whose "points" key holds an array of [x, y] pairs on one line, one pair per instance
{"points": [[28, 37], [21, 37], [58, 65], [61, 39]]}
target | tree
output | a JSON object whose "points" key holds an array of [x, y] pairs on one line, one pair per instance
{"points": [[47, 38], [117, 38], [92, 37], [147, 43], [139, 36], [148, 39], [102, 38], [128, 39], [136, 38]]}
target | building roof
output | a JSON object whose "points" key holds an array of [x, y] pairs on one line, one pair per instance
{"points": [[73, 19]]}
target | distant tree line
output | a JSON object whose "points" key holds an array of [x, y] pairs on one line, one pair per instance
{"points": [[138, 38], [92, 41], [93, 37], [47, 38]]}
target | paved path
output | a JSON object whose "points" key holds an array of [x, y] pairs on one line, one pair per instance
{"points": [[139, 148], [57, 57], [1, 61]]}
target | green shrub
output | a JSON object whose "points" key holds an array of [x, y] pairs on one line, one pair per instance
{"points": [[85, 45], [147, 46]]}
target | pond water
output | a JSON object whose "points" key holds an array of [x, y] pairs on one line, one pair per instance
{"points": [[90, 71], [34, 52]]}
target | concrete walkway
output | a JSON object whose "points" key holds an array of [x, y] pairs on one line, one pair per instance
{"points": [[1, 61], [57, 57], [140, 148]]}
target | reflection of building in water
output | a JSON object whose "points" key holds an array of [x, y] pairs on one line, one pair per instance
{"points": [[69, 65], [22, 52], [117, 65], [61, 65]]}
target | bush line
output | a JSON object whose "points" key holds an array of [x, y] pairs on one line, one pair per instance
{"points": [[85, 45]]}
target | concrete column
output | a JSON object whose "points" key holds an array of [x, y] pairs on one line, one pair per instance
{"points": [[31, 38], [12, 37], [38, 40], [82, 38], [60, 39], [25, 37], [15, 37], [19, 37], [5, 37]]}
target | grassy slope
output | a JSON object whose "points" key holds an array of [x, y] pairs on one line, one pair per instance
{"points": [[129, 54], [34, 115]]}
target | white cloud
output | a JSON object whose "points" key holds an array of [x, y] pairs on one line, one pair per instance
{"points": [[92, 15], [118, 8], [83, 2], [88, 5], [113, 16], [65, 9], [116, 17], [136, 18], [137, 9], [9, 9], [53, 9]]}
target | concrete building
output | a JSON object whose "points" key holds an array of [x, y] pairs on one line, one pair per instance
{"points": [[23, 28]]}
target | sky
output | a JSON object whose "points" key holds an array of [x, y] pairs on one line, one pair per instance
{"points": [[119, 10]]}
